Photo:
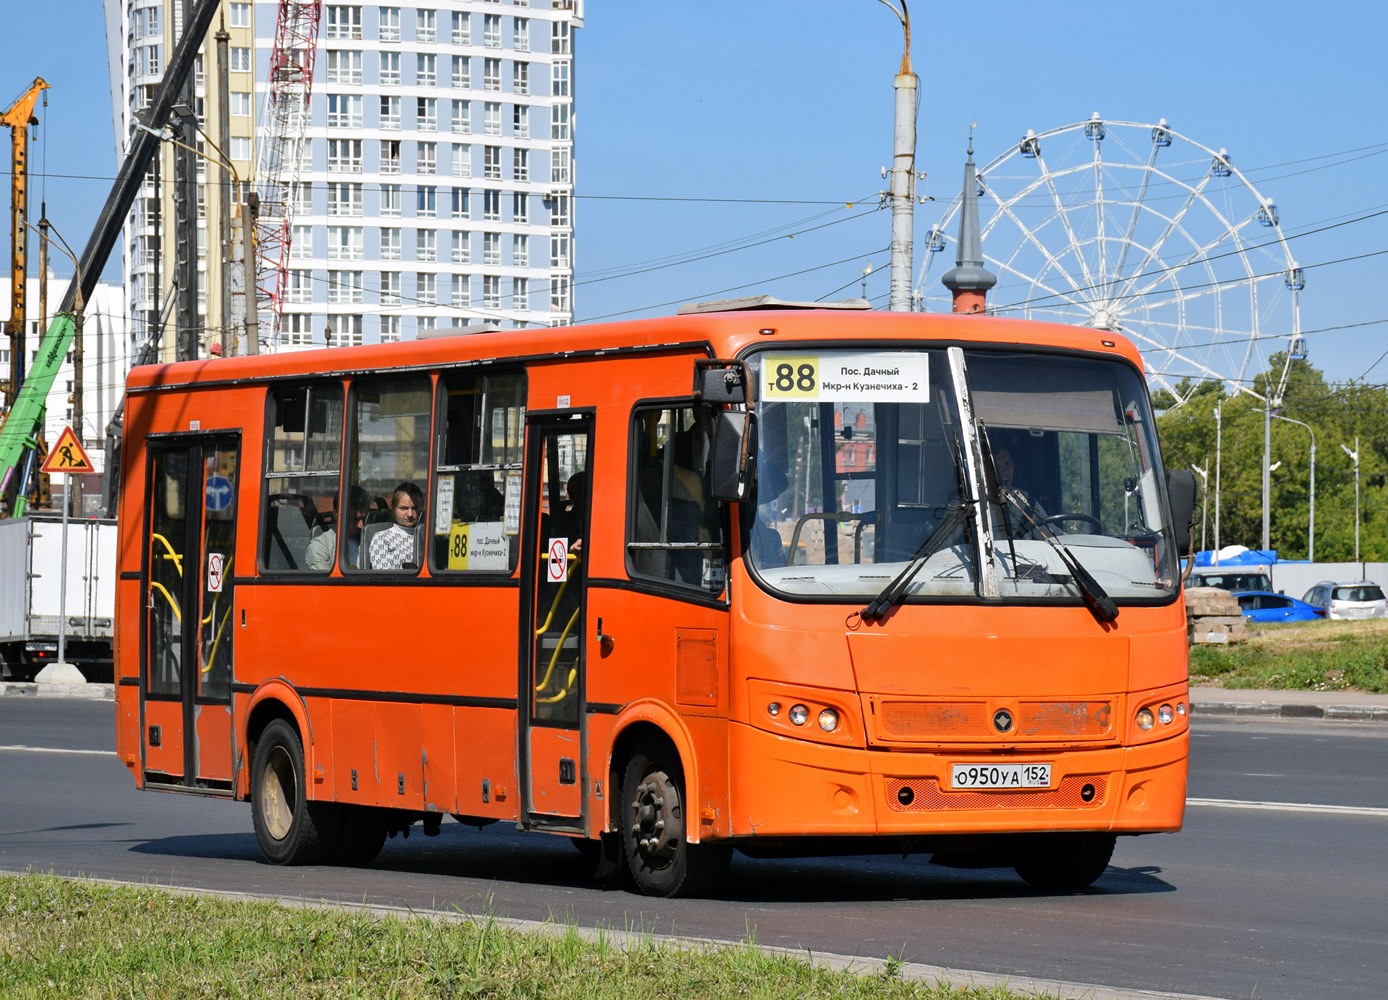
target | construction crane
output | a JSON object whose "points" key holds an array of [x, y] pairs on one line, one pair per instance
{"points": [[18, 118], [19, 435], [281, 153]]}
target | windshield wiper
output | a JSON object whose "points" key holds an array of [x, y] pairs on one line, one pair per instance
{"points": [[957, 513], [1095, 597]]}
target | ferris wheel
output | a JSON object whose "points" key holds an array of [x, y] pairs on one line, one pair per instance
{"points": [[1140, 230]]}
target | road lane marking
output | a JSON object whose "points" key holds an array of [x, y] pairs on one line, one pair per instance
{"points": [[23, 749], [1306, 807]]}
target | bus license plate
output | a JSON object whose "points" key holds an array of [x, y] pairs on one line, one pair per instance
{"points": [[997, 776]]}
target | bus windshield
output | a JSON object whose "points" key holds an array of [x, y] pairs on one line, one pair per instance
{"points": [[864, 454]]}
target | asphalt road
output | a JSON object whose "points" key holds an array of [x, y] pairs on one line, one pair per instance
{"points": [[1275, 889]]}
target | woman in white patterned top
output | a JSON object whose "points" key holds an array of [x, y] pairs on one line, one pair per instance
{"points": [[397, 547]]}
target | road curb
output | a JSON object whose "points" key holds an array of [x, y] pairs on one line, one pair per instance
{"points": [[1273, 710], [33, 689]]}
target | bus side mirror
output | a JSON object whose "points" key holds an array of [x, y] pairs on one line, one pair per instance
{"points": [[732, 458], [717, 381], [1180, 491]]}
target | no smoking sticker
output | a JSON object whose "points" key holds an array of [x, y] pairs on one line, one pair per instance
{"points": [[557, 568]]}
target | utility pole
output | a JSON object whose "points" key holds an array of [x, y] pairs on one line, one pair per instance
{"points": [[902, 191], [186, 331], [1219, 440], [228, 336]]}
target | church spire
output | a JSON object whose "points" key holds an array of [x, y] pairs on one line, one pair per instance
{"points": [[970, 280]]}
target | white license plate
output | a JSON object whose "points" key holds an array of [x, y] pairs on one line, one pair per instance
{"points": [[990, 776]]}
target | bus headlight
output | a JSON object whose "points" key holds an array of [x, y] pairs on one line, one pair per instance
{"points": [[799, 714], [1165, 715], [773, 709], [1145, 719], [828, 720]]}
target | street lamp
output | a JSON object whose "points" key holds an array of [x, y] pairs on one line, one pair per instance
{"points": [[1355, 455], [1219, 438], [903, 171], [1311, 527]]}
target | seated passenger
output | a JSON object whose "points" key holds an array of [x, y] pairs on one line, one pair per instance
{"points": [[400, 544], [323, 549]]}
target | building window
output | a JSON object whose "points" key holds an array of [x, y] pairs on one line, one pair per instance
{"points": [[462, 161], [520, 208], [426, 289], [390, 244], [390, 24], [344, 111], [462, 291], [559, 38], [462, 248], [491, 74], [298, 286], [426, 26], [344, 66], [240, 147], [344, 331], [240, 56], [424, 325], [559, 211], [491, 206], [559, 79], [302, 196], [520, 122], [240, 15], [462, 72], [520, 78], [559, 250], [390, 286], [559, 122], [390, 329], [426, 244], [491, 248], [462, 28], [559, 293], [491, 31], [559, 160], [390, 112], [296, 329], [460, 205], [390, 156], [462, 117], [390, 69], [491, 162], [426, 202], [491, 291], [344, 199], [427, 157], [301, 242], [390, 199], [345, 287], [520, 294], [427, 114], [344, 155], [343, 22], [148, 59], [426, 70], [345, 243], [522, 34], [520, 164], [491, 120]]}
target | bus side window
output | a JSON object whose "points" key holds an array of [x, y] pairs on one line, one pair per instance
{"points": [[482, 427], [388, 457], [675, 528], [303, 456]]}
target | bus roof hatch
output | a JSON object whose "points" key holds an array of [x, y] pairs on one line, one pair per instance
{"points": [[755, 302]]}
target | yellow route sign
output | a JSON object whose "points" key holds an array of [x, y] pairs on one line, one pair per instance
{"points": [[67, 455]]}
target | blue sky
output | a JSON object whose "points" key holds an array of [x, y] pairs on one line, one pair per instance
{"points": [[770, 116]]}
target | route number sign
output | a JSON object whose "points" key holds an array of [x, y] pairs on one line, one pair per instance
{"points": [[842, 376]]}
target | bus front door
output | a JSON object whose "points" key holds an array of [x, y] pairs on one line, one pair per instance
{"points": [[186, 648], [554, 580]]}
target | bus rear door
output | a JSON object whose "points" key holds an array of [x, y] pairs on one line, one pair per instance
{"points": [[186, 649]]}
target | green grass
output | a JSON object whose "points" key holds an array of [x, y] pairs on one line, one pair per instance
{"points": [[1315, 656], [76, 939]]}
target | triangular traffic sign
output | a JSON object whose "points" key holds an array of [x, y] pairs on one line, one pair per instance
{"points": [[67, 456]]}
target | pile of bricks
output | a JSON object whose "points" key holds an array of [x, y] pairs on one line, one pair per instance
{"points": [[1213, 616]]}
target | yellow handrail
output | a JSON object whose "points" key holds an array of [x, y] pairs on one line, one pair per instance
{"points": [[175, 556], [169, 597], [541, 630], [554, 658]]}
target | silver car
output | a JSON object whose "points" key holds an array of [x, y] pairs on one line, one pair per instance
{"points": [[1346, 601]]}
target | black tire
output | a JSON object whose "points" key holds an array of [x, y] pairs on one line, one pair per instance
{"points": [[362, 836], [291, 830], [1066, 861], [659, 855]]}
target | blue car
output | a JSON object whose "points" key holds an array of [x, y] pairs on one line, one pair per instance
{"points": [[1264, 606]]}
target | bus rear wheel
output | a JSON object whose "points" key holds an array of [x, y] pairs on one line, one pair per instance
{"points": [[290, 829], [1065, 861], [654, 827]]}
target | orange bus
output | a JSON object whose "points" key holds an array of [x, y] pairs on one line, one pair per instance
{"points": [[791, 581]]}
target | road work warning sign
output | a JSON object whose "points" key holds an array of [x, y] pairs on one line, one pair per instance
{"points": [[67, 456]]}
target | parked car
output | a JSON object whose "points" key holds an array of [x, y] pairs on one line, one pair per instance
{"points": [[1264, 606], [1348, 600], [1236, 579]]}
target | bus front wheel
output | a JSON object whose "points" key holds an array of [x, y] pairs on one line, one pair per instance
{"points": [[290, 829], [654, 827], [1065, 861]]}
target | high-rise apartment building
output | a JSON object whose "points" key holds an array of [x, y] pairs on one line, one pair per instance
{"points": [[436, 185]]}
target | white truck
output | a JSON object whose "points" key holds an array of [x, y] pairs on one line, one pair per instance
{"points": [[31, 550]]}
